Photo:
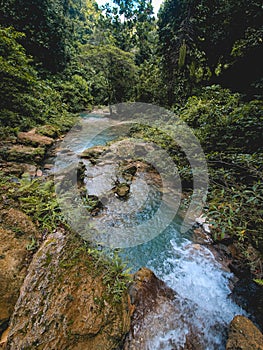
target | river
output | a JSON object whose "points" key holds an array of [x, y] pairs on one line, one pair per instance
{"points": [[188, 268]]}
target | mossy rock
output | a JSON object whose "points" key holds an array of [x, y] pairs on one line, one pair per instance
{"points": [[34, 139], [24, 154], [122, 190], [14, 258], [93, 153], [244, 335], [48, 130], [68, 303]]}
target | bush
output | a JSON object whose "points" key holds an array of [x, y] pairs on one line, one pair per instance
{"points": [[223, 122]]}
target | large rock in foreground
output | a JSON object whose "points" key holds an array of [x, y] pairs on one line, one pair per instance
{"points": [[158, 319], [34, 139], [63, 302], [16, 232], [244, 335]]}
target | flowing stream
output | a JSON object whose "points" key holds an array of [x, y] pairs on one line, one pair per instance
{"points": [[188, 268]]}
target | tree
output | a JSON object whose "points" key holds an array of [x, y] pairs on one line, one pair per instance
{"points": [[25, 99], [48, 35], [217, 41], [131, 25], [111, 71]]}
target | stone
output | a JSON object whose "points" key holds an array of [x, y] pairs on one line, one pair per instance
{"points": [[48, 166], [244, 335], [122, 190], [129, 169], [19, 222], [201, 237], [14, 259], [63, 302], [30, 169], [4, 338], [39, 173], [10, 168], [24, 154], [34, 139], [156, 312], [93, 153]]}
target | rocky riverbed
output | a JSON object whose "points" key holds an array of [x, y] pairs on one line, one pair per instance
{"points": [[53, 294]]}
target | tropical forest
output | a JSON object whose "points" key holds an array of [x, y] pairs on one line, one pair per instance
{"points": [[131, 172]]}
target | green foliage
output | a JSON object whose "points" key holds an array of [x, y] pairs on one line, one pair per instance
{"points": [[33, 245], [149, 87], [25, 99], [131, 25], [223, 122], [48, 35], [238, 210], [113, 74], [38, 200], [210, 41], [259, 282], [116, 277], [75, 93]]}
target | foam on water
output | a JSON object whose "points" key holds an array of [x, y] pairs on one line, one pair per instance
{"points": [[193, 273]]}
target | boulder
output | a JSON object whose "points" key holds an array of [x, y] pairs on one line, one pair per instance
{"points": [[34, 139], [16, 234], [10, 168], [129, 169], [157, 311], [244, 335], [19, 222], [122, 190], [63, 302], [24, 154], [93, 153]]}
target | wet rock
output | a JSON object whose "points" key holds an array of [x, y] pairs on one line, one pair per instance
{"points": [[129, 169], [244, 335], [201, 237], [81, 169], [48, 166], [94, 205], [122, 190], [142, 149], [93, 153], [65, 151], [34, 139], [63, 303], [14, 258], [249, 295], [145, 289], [24, 154], [157, 311]]}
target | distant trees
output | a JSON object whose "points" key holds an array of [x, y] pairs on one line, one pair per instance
{"points": [[53, 28], [115, 77], [215, 41]]}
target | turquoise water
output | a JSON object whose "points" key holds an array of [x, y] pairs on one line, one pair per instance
{"points": [[189, 269]]}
